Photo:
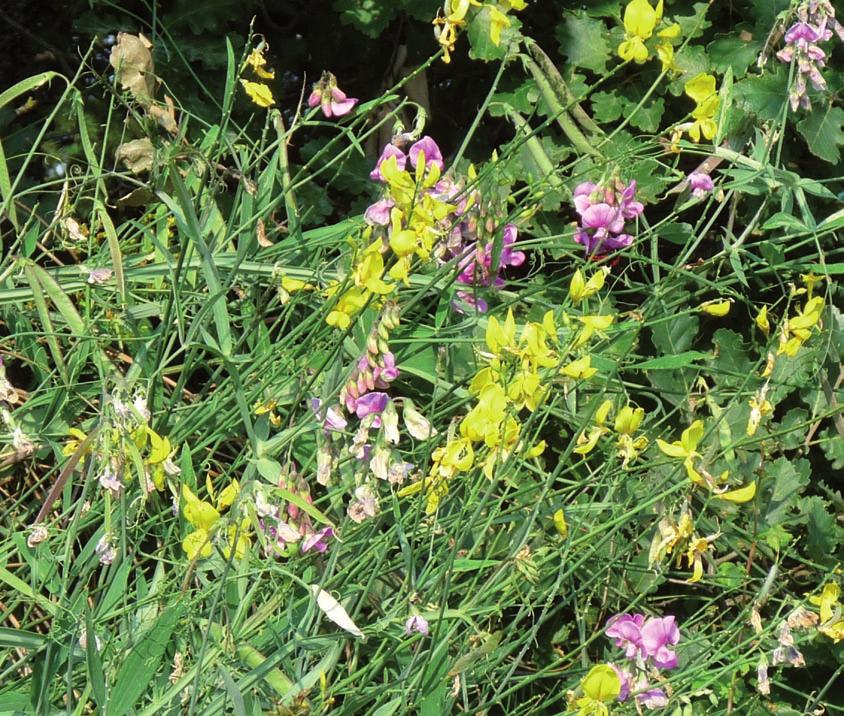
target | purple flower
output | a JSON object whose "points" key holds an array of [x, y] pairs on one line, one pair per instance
{"points": [[318, 540], [508, 256], [416, 624], [332, 418], [371, 403], [430, 151], [700, 184], [378, 214], [626, 630], [653, 699], [802, 32], [390, 150], [583, 193], [472, 303], [656, 636], [630, 208], [330, 98]]}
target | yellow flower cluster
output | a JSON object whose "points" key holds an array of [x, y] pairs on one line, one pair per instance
{"points": [[453, 19], [627, 422], [417, 222], [259, 92], [640, 21], [701, 89], [679, 538], [204, 517]]}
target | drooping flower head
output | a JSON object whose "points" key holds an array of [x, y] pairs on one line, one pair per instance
{"points": [[330, 98]]}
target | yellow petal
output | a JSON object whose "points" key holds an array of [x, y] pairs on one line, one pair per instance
{"points": [[640, 19], [716, 308], [602, 683], [762, 322], [633, 49], [259, 93], [560, 523], [197, 543], [700, 87], [671, 449], [742, 494]]}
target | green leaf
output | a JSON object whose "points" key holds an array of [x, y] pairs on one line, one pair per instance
{"points": [[137, 671], [789, 479], [20, 639], [733, 52], [823, 131], [583, 40], [762, 95], [648, 116], [679, 360], [606, 106], [692, 26], [480, 38], [822, 532], [675, 334], [370, 17]]}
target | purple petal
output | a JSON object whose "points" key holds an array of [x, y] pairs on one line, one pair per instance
{"points": [[431, 151], [379, 212], [390, 150], [371, 403]]}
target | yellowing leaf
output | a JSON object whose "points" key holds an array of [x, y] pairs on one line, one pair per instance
{"points": [[132, 62]]}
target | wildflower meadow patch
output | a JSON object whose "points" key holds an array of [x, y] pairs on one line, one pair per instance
{"points": [[428, 358]]}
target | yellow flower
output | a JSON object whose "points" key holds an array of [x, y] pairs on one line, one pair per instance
{"points": [[740, 495], [369, 271], [592, 325], [600, 685], [796, 330], [501, 337], [717, 307], [497, 22], [259, 93], [257, 62], [640, 19], [348, 306], [832, 624], [762, 321], [698, 546], [560, 524], [686, 449], [759, 408], [580, 369], [701, 89], [665, 52], [586, 442], [580, 288], [483, 421]]}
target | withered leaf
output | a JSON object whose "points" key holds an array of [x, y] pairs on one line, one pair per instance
{"points": [[165, 116], [137, 155], [132, 62]]}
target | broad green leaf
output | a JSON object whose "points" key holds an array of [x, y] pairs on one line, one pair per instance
{"points": [[731, 51], [823, 130], [584, 41]]}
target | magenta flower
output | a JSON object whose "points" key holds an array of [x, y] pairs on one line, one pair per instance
{"points": [[318, 540], [416, 624], [603, 212], [626, 630], [430, 151], [700, 184], [330, 98], [657, 635]]}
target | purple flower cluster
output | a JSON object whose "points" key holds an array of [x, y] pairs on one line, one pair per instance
{"points": [[476, 268], [287, 524], [603, 211], [815, 23], [646, 643]]}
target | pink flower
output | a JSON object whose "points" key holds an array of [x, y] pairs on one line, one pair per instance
{"points": [[332, 418], [378, 214], [630, 209], [626, 630], [700, 184], [390, 150], [656, 636], [430, 151], [330, 98], [416, 624], [583, 196], [653, 699]]}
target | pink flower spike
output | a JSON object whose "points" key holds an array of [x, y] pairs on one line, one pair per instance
{"points": [[390, 150], [429, 149]]}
